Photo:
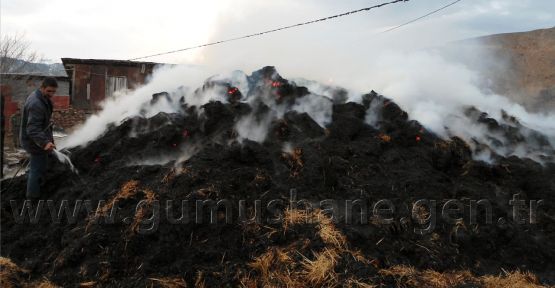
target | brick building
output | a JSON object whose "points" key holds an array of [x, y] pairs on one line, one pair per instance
{"points": [[16, 87], [93, 80], [79, 94]]}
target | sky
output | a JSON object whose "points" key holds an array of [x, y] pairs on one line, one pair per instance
{"points": [[104, 29]]}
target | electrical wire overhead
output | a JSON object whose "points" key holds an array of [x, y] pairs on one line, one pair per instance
{"points": [[273, 30], [421, 17]]}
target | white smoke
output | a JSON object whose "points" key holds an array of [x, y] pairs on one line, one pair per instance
{"points": [[254, 128], [134, 103], [373, 113], [319, 108], [435, 92], [183, 153], [433, 89]]}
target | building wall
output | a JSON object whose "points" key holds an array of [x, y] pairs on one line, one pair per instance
{"points": [[10, 106], [21, 87], [69, 118], [95, 76], [13, 101]]}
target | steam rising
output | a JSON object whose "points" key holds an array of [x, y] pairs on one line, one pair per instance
{"points": [[136, 102], [249, 127], [437, 93], [436, 88]]}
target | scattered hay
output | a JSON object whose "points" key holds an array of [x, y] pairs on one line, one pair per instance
{"points": [[150, 196], [516, 279], [384, 138], [410, 277], [269, 264], [207, 192], [12, 275], [263, 265], [358, 256], [277, 268], [177, 282], [295, 161], [293, 217], [8, 266], [280, 267], [170, 176], [261, 176], [406, 276], [43, 284], [128, 190], [358, 284], [328, 232], [420, 212], [326, 228], [447, 279], [199, 280], [320, 272], [399, 270]]}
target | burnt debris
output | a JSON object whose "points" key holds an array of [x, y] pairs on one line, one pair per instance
{"points": [[197, 155]]}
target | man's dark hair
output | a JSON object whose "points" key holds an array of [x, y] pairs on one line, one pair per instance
{"points": [[49, 82]]}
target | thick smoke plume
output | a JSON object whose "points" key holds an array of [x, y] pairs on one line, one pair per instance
{"points": [[437, 86], [444, 96], [137, 102]]}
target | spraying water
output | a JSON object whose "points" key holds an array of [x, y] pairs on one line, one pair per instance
{"points": [[65, 160]]}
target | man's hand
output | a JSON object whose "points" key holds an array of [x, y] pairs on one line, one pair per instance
{"points": [[49, 146]]}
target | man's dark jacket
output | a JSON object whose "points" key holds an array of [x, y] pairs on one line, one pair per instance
{"points": [[36, 130]]}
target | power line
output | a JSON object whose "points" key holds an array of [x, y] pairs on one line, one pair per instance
{"points": [[289, 27], [421, 17], [273, 30]]}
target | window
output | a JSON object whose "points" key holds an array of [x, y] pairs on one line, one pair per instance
{"points": [[115, 84]]}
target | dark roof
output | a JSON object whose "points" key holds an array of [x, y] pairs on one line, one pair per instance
{"points": [[107, 62], [31, 76]]}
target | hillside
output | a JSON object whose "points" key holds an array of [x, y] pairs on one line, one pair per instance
{"points": [[522, 67]]}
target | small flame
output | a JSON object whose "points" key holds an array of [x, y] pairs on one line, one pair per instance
{"points": [[232, 91], [384, 137]]}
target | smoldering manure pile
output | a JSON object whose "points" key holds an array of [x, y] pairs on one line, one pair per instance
{"points": [[262, 146]]}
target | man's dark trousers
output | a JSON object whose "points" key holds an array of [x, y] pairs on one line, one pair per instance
{"points": [[39, 164]]}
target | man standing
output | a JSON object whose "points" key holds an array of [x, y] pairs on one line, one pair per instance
{"points": [[36, 133]]}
